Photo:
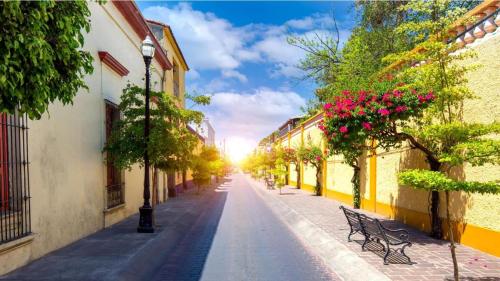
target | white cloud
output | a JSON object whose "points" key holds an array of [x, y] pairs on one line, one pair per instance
{"points": [[234, 74], [304, 23], [192, 74], [253, 115], [213, 43], [208, 42]]}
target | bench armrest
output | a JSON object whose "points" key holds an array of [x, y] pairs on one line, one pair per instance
{"points": [[400, 233]]}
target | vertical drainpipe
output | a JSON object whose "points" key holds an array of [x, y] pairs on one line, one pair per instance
{"points": [[102, 129]]}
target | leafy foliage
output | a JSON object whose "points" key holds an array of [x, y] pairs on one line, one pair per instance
{"points": [[42, 59], [437, 181], [313, 154], [170, 141], [280, 172], [205, 164], [354, 118]]}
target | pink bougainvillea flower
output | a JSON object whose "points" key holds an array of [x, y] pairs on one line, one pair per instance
{"points": [[384, 111], [401, 108], [346, 92], [343, 129], [327, 106], [367, 126], [318, 158], [429, 96], [386, 97], [421, 99], [361, 112], [397, 93]]}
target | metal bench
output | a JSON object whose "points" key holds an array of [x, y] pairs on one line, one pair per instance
{"points": [[353, 221], [373, 230], [269, 183]]}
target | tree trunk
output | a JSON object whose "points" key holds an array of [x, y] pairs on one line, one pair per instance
{"points": [[436, 223], [318, 181], [450, 234], [286, 176], [297, 169], [355, 186], [184, 180]]}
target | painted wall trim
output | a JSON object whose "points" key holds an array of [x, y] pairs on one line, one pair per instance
{"points": [[113, 63]]}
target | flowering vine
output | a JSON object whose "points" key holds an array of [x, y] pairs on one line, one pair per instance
{"points": [[355, 116], [352, 119]]}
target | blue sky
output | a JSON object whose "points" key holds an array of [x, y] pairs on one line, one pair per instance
{"points": [[237, 52]]}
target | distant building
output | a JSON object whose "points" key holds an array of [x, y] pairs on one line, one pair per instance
{"points": [[289, 125], [208, 132]]}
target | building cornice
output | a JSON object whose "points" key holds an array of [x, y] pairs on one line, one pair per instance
{"points": [[113, 63], [133, 16]]}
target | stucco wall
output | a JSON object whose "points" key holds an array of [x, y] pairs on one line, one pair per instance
{"points": [[477, 216], [484, 210], [67, 171]]}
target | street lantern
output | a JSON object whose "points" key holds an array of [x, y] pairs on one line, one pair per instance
{"points": [[146, 211], [148, 48]]}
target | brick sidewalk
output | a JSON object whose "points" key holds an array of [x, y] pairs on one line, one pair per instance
{"points": [[431, 257]]}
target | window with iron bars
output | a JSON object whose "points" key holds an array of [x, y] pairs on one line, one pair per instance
{"points": [[15, 208], [114, 184]]}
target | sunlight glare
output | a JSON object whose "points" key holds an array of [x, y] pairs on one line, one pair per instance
{"points": [[238, 148]]}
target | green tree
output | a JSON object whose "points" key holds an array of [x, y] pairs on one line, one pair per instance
{"points": [[290, 156], [438, 182], [170, 144], [42, 58], [205, 164], [279, 172], [441, 133], [313, 154]]}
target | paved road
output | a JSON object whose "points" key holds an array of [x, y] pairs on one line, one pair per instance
{"points": [[239, 238], [226, 234]]}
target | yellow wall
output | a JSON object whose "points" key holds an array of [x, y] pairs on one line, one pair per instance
{"points": [[476, 217], [174, 56]]}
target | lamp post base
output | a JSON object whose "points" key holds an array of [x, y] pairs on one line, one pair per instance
{"points": [[145, 220]]}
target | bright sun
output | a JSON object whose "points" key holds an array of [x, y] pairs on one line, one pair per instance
{"points": [[238, 148]]}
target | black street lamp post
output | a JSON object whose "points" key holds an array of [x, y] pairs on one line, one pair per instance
{"points": [[146, 211]]}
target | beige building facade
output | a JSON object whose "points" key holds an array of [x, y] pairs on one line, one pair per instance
{"points": [[73, 192]]}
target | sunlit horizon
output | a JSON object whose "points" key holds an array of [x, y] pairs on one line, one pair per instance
{"points": [[237, 148]]}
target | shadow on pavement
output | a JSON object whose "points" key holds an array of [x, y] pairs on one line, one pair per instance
{"points": [[185, 227], [187, 260]]}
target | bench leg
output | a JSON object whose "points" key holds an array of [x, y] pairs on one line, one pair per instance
{"points": [[383, 247], [387, 252], [404, 254], [367, 238], [350, 234]]}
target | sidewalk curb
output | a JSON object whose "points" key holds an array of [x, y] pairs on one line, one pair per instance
{"points": [[345, 263]]}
